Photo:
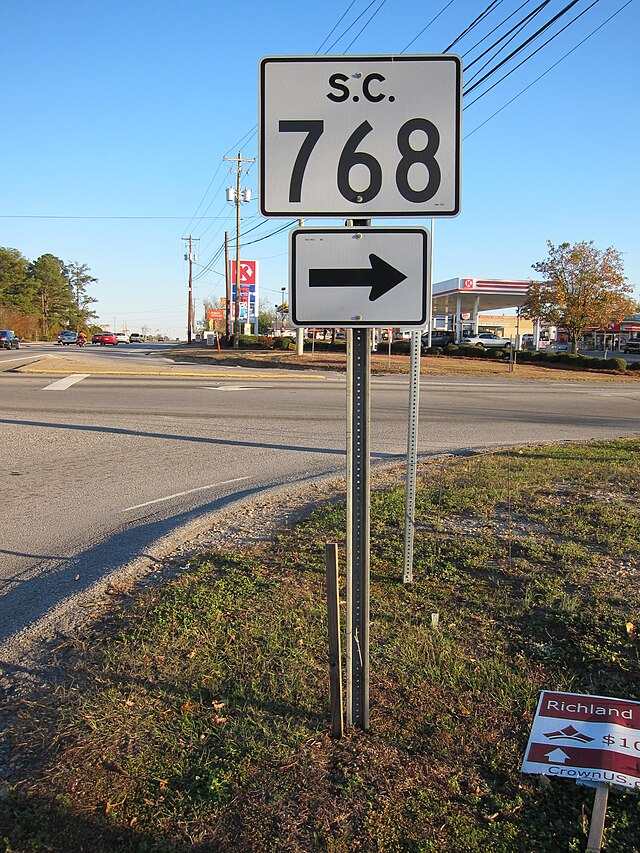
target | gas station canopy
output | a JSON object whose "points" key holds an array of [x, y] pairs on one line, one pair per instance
{"points": [[457, 296]]}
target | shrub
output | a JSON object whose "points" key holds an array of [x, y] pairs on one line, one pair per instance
{"points": [[248, 341], [401, 347], [282, 343], [452, 349], [524, 355], [617, 363], [497, 353], [633, 365], [327, 346], [439, 351], [472, 352]]}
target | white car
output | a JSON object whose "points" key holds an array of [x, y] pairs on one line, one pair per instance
{"points": [[122, 338], [486, 339]]}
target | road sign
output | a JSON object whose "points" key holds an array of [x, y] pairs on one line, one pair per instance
{"points": [[360, 136], [359, 277], [248, 272], [592, 739]]}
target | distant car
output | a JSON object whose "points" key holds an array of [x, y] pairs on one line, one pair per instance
{"points": [[558, 346], [67, 337], [122, 338], [135, 338], [486, 339], [632, 345], [438, 339], [104, 338], [9, 339]]}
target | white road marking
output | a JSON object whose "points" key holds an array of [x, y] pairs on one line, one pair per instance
{"points": [[67, 382], [188, 492], [235, 387], [18, 358]]}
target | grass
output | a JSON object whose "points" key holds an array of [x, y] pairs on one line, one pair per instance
{"points": [[196, 718], [382, 365]]}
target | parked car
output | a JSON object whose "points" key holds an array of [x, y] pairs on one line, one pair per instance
{"points": [[438, 339], [135, 338], [9, 339], [122, 338], [67, 337], [632, 345], [104, 338], [486, 339]]}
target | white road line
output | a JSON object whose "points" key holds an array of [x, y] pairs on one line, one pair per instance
{"points": [[188, 492], [235, 387], [18, 358], [63, 384]]}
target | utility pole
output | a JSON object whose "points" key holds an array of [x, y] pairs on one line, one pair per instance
{"points": [[227, 281], [189, 256], [238, 196]]}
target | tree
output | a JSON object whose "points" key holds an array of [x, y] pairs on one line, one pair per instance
{"points": [[52, 292], [80, 278], [583, 287], [267, 317], [13, 272]]}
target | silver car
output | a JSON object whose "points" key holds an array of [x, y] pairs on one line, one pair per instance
{"points": [[486, 339]]}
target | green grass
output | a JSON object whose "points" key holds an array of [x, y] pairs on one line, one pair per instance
{"points": [[197, 717]]}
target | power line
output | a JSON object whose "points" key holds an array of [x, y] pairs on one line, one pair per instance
{"points": [[521, 47], [497, 27], [366, 25], [335, 26], [425, 28], [544, 73], [493, 5], [352, 24], [537, 50], [57, 216], [513, 32]]}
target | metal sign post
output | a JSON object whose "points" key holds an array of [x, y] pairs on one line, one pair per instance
{"points": [[358, 525], [412, 459]]}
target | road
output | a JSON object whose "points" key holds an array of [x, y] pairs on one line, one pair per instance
{"points": [[96, 469]]}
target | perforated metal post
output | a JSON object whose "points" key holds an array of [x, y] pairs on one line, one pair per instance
{"points": [[412, 459], [358, 526]]}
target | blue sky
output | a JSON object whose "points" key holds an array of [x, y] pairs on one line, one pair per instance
{"points": [[118, 115]]}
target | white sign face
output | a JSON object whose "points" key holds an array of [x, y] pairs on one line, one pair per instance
{"points": [[591, 739], [360, 136], [351, 277]]}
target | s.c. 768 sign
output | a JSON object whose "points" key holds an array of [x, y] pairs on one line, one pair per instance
{"points": [[360, 136]]}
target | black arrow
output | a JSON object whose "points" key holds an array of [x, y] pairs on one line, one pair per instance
{"points": [[381, 277]]}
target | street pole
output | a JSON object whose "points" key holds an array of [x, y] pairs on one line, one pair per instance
{"points": [[236, 325], [358, 525], [191, 258], [238, 201], [227, 279]]}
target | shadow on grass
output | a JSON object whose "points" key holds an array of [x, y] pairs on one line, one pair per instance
{"points": [[31, 822]]}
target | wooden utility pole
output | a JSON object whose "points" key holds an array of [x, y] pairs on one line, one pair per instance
{"points": [[238, 198], [191, 258], [227, 278]]}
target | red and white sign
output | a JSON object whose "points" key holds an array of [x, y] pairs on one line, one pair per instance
{"points": [[215, 314], [248, 272], [467, 284], [585, 738]]}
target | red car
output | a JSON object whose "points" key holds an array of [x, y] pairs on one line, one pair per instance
{"points": [[104, 338]]}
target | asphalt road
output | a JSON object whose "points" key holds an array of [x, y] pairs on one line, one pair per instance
{"points": [[98, 469]]}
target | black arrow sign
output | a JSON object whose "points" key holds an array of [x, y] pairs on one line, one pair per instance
{"points": [[381, 277]]}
